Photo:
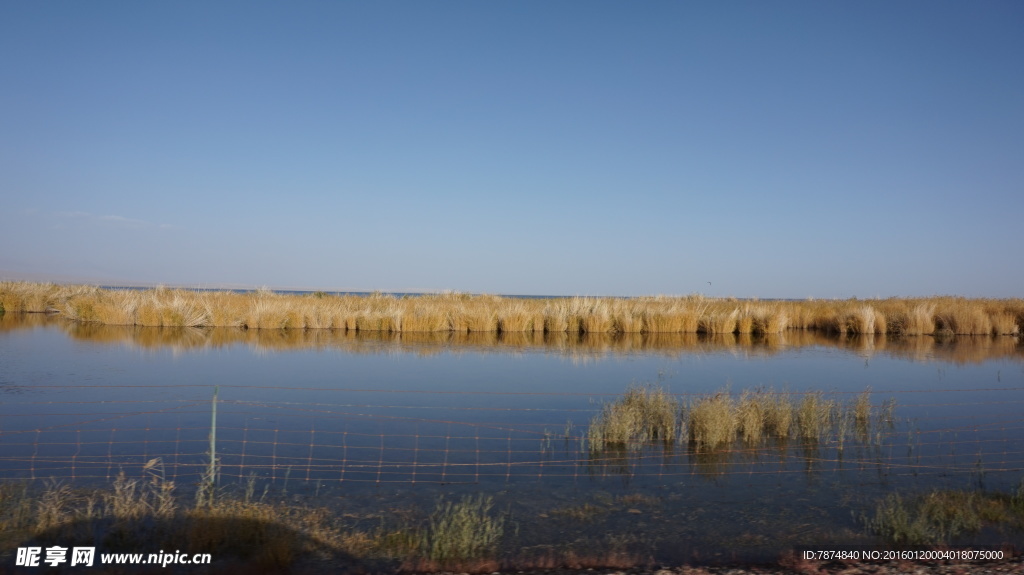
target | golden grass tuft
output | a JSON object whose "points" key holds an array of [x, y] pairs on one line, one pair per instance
{"points": [[513, 316], [862, 411], [814, 416], [661, 322], [750, 417], [1004, 323], [425, 320], [719, 322], [642, 415], [776, 322], [778, 414], [964, 318], [862, 320], [595, 316], [745, 323], [920, 320], [712, 421], [758, 415], [627, 319]]}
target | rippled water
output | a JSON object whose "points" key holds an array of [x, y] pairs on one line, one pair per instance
{"points": [[376, 424]]}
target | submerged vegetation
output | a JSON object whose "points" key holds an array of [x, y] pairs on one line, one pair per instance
{"points": [[463, 313], [939, 517]]}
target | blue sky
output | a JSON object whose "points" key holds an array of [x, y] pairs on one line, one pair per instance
{"points": [[788, 149]]}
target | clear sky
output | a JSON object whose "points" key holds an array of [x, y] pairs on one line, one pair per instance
{"points": [[774, 149]]}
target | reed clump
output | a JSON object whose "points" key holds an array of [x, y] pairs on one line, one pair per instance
{"points": [[713, 421], [862, 412], [940, 517], [461, 532], [762, 414], [642, 415], [777, 412], [813, 419], [814, 416], [462, 313], [756, 416], [750, 418]]}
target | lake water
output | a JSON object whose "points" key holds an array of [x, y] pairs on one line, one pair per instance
{"points": [[382, 425]]}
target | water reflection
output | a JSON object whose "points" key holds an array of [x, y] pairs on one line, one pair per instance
{"points": [[582, 348], [504, 414]]}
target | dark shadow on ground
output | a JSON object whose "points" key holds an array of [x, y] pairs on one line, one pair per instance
{"points": [[235, 545]]}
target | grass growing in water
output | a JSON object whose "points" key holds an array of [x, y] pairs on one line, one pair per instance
{"points": [[713, 421], [814, 416], [758, 415], [462, 531], [642, 415], [777, 413], [763, 414], [710, 422], [939, 517], [862, 412]]}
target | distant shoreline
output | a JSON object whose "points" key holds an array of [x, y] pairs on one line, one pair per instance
{"points": [[464, 313]]}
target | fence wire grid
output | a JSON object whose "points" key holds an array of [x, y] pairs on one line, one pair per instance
{"points": [[478, 437]]}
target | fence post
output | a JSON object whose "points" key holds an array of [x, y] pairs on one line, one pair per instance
{"points": [[212, 472]]}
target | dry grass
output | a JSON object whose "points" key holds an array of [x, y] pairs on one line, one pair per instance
{"points": [[578, 347], [719, 322], [814, 416], [750, 417], [713, 421], [642, 415], [862, 412], [761, 414], [778, 414], [920, 319], [758, 415], [461, 313], [253, 534]]}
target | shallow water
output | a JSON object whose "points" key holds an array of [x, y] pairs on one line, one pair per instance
{"points": [[376, 423]]}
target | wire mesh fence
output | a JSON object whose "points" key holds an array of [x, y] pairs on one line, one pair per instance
{"points": [[324, 436]]}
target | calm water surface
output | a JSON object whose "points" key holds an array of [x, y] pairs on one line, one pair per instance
{"points": [[377, 424]]}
